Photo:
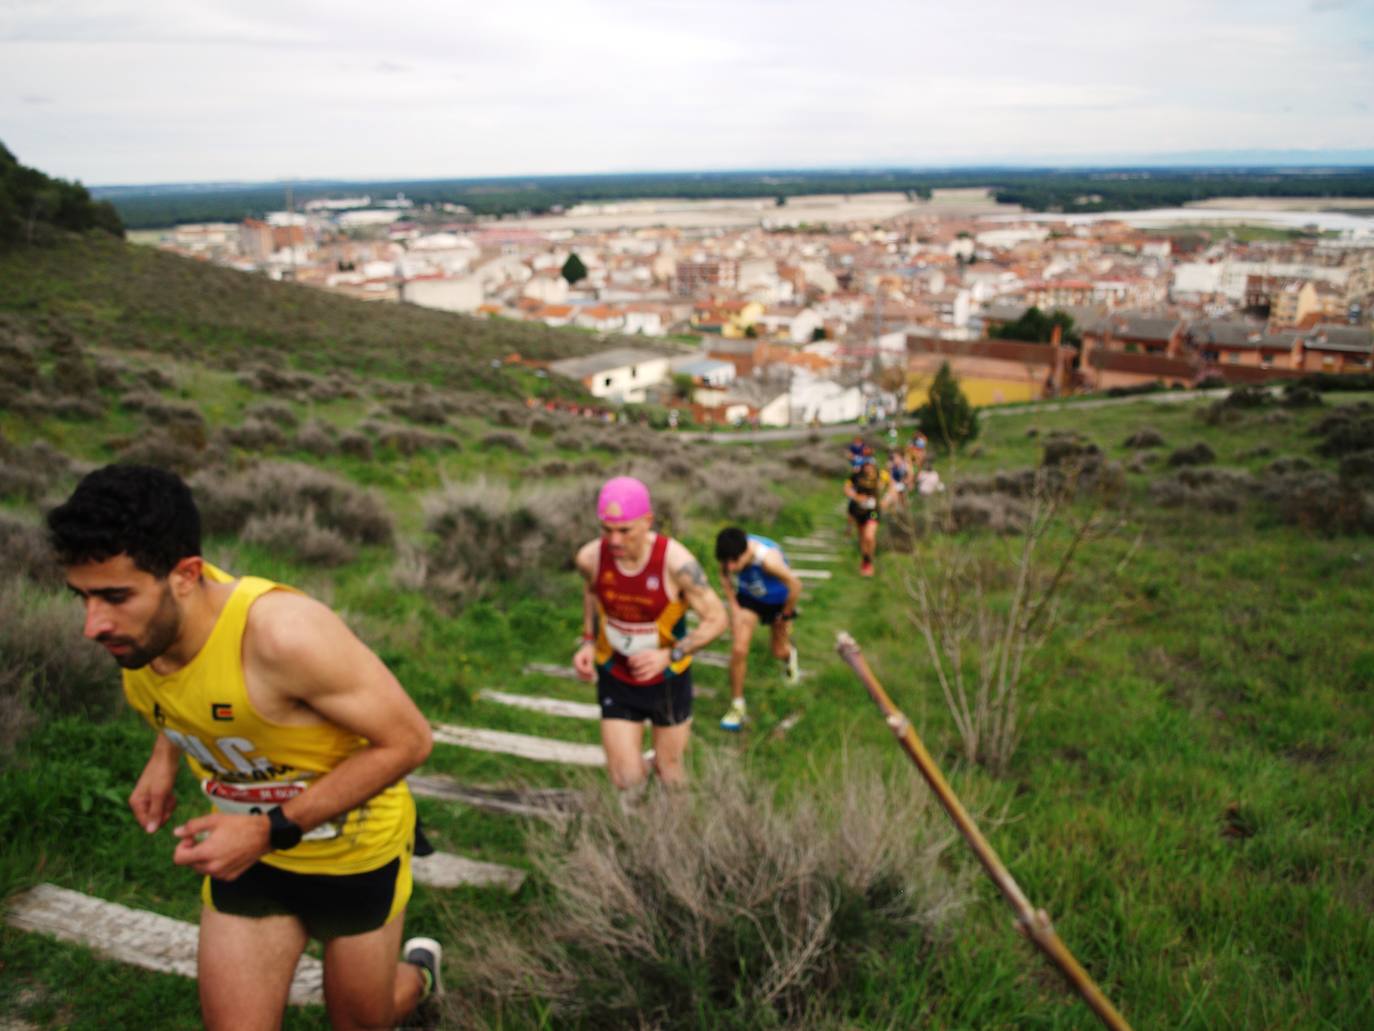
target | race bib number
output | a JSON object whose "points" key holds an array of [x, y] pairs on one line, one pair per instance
{"points": [[632, 638], [256, 799]]}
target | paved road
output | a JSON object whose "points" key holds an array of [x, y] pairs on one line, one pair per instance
{"points": [[1163, 397]]}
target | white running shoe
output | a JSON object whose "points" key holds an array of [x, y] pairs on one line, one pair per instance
{"points": [[427, 954], [734, 717]]}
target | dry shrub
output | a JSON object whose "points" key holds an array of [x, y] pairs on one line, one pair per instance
{"points": [[723, 905], [1345, 431], [252, 435], [541, 427], [1140, 461], [1145, 438], [27, 472], [47, 665], [25, 552], [1357, 469], [333, 387], [179, 417], [356, 444], [18, 364], [1300, 395], [501, 440], [274, 412], [740, 492], [228, 502], [1317, 500], [428, 410], [408, 440], [819, 460], [485, 532], [1212, 490], [506, 413], [570, 441], [1198, 454], [1288, 465], [267, 380], [164, 450], [299, 536], [316, 438], [1000, 513], [554, 467], [157, 379]]}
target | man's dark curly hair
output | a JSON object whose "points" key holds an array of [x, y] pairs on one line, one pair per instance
{"points": [[135, 510], [731, 543]]}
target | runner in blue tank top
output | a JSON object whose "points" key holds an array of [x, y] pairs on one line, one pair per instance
{"points": [[765, 591]]}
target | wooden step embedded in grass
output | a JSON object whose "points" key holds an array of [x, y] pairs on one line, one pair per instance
{"points": [[548, 706], [510, 801], [813, 574], [135, 936], [524, 746], [446, 870]]}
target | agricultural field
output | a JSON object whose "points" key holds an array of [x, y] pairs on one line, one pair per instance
{"points": [[1183, 785]]}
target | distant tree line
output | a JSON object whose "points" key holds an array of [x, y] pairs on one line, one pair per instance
{"points": [[1080, 190], [1037, 327], [31, 203]]}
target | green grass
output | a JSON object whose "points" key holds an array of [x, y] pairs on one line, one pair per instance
{"points": [[1189, 800]]}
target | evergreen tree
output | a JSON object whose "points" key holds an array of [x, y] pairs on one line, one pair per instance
{"points": [[573, 269], [947, 419]]}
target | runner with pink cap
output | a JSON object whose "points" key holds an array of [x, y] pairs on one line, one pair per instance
{"points": [[638, 587]]}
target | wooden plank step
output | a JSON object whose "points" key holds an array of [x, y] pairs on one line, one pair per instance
{"points": [[511, 801], [525, 746], [798, 557], [446, 870], [548, 706], [134, 936], [812, 574]]}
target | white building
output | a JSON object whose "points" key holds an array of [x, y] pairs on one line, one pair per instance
{"points": [[623, 374], [462, 293], [824, 401]]}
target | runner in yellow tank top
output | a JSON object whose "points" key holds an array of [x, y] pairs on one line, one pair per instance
{"points": [[299, 735]]}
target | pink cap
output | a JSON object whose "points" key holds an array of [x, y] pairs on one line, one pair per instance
{"points": [[623, 499]]}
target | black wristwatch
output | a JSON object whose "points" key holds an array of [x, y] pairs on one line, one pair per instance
{"points": [[285, 833]]}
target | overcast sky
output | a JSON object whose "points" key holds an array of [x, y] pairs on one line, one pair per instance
{"points": [[136, 91]]}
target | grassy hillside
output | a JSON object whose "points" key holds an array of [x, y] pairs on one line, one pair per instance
{"points": [[139, 300], [1188, 798]]}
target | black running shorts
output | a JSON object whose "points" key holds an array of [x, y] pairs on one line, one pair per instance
{"points": [[665, 704], [766, 611], [860, 514], [329, 905]]}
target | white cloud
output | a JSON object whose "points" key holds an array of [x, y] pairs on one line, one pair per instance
{"points": [[145, 90]]}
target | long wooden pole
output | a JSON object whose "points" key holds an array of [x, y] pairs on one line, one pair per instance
{"points": [[1033, 923]]}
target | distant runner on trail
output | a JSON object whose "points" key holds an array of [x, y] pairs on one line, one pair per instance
{"points": [[903, 481], [918, 451], [864, 489], [765, 591], [639, 586], [299, 736]]}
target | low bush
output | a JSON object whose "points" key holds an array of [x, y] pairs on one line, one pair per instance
{"points": [[252, 435], [428, 410], [268, 380], [1288, 466], [299, 536], [1298, 395], [1216, 497], [25, 553], [1197, 454], [274, 412], [49, 667], [1316, 500], [570, 441], [1357, 469], [1000, 513], [356, 444], [228, 502], [741, 492], [1346, 431], [163, 450], [1137, 389], [316, 438], [408, 440], [722, 906], [1146, 437], [1070, 450], [485, 532], [27, 472], [501, 440]]}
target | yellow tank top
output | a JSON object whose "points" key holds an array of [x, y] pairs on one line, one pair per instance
{"points": [[246, 763]]}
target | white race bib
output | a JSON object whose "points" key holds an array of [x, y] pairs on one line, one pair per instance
{"points": [[256, 799], [632, 638]]}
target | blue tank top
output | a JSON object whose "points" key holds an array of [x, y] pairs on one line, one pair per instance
{"points": [[756, 582]]}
